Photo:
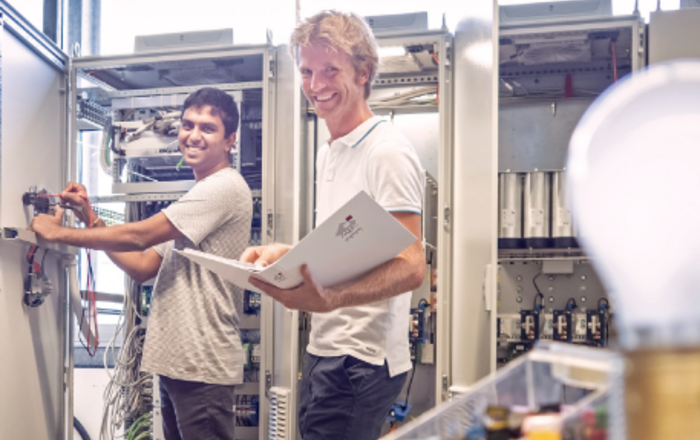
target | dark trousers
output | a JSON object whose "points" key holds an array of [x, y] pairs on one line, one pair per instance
{"points": [[196, 411], [344, 398]]}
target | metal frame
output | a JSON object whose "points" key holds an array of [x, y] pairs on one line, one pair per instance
{"points": [[173, 190], [267, 231], [112, 61], [182, 90], [444, 78], [406, 80], [637, 55], [445, 190], [26, 32]]}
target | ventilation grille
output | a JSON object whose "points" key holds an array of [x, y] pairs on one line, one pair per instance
{"points": [[279, 414]]}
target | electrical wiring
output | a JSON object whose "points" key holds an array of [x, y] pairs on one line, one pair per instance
{"points": [[42, 260], [410, 382], [539, 294], [140, 423], [104, 156], [128, 397], [129, 391], [89, 297]]}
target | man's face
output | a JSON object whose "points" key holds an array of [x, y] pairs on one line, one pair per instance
{"points": [[330, 81], [202, 139]]}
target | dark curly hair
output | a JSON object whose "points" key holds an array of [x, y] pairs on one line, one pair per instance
{"points": [[222, 105]]}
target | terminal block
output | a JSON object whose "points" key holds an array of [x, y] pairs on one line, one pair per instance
{"points": [[563, 328], [416, 332], [251, 303], [39, 201], [529, 325], [597, 327], [564, 322]]}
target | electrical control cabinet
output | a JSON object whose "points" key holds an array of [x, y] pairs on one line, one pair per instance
{"points": [[413, 91], [130, 106], [549, 74], [673, 34]]}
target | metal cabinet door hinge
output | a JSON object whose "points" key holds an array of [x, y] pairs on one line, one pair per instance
{"points": [[268, 383], [270, 223], [446, 218]]}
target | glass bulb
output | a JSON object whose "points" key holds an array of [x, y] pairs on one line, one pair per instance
{"points": [[634, 182]]}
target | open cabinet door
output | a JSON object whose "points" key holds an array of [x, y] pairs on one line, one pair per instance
{"points": [[293, 178], [475, 195], [33, 152]]}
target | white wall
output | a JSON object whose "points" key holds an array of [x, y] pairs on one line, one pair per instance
{"points": [[88, 387]]}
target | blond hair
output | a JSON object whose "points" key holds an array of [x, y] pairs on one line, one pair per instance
{"points": [[347, 32]]}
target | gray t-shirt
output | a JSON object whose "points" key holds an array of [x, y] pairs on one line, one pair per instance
{"points": [[193, 329]]}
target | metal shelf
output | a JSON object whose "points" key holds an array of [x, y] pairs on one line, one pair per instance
{"points": [[152, 187], [23, 235], [406, 110], [506, 255], [391, 81], [137, 197], [398, 110]]}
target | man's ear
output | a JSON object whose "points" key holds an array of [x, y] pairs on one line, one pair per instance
{"points": [[231, 141], [363, 75]]}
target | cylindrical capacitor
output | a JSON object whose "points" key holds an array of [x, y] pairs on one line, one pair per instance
{"points": [[563, 233], [510, 213], [537, 192]]}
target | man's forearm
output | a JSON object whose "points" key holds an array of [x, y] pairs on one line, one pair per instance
{"points": [[388, 280], [132, 263], [125, 261], [118, 238]]}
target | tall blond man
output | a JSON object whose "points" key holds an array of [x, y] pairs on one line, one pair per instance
{"points": [[358, 355]]}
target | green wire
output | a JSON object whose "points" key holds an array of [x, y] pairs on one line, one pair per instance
{"points": [[145, 418], [179, 164], [143, 436]]}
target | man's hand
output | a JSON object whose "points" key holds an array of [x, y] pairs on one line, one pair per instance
{"points": [[75, 195], [48, 226], [309, 297], [264, 255]]}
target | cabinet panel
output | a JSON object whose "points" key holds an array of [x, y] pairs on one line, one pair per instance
{"points": [[32, 153]]}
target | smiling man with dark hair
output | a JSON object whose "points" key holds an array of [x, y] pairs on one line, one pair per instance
{"points": [[193, 340]]}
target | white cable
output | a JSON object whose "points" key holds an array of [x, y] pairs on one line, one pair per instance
{"points": [[129, 391]]}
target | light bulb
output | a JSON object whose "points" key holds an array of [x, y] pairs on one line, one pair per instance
{"points": [[634, 182]]}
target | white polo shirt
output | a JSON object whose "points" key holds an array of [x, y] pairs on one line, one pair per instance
{"points": [[377, 159]]}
